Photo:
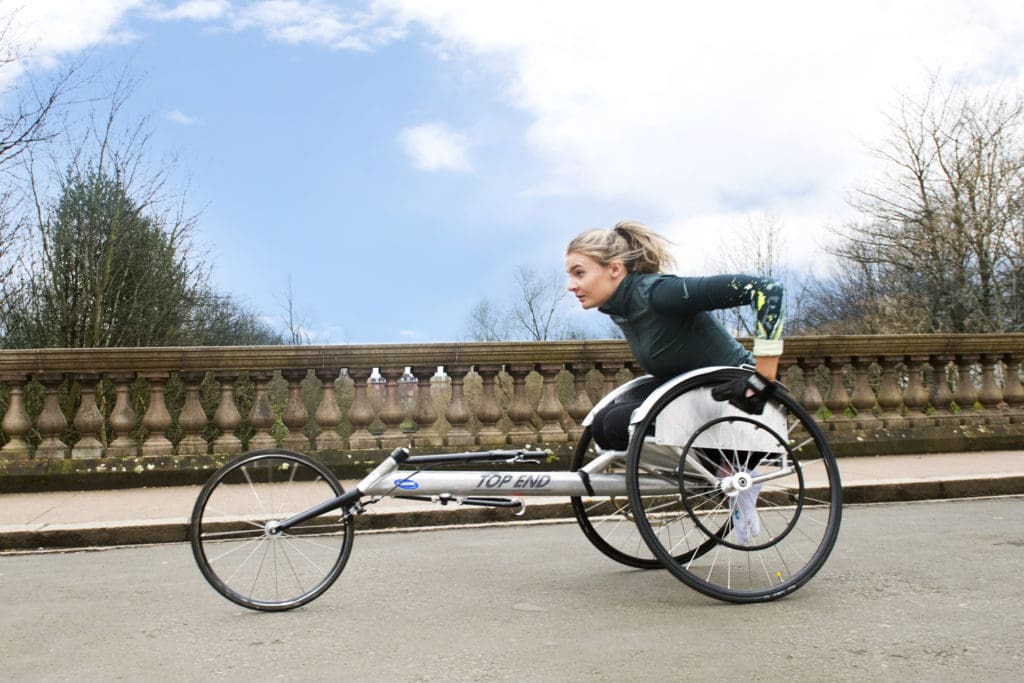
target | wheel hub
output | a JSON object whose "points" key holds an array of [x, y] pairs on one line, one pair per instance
{"points": [[736, 483]]}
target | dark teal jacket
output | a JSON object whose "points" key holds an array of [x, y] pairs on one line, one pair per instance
{"points": [[666, 321]]}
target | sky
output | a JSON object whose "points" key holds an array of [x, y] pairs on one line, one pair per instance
{"points": [[396, 161]]}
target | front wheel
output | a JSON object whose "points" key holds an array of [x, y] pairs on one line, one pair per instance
{"points": [[236, 546]]}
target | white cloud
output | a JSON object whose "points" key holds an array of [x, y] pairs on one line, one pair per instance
{"points": [[181, 118], [695, 113], [704, 111], [414, 335], [42, 32], [435, 147], [193, 10], [312, 21]]}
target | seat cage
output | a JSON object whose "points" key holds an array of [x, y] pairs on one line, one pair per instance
{"points": [[678, 421]]}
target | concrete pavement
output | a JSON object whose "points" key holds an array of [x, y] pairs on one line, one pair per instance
{"points": [[75, 519]]}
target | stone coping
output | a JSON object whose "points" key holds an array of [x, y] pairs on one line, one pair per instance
{"points": [[20, 362]]}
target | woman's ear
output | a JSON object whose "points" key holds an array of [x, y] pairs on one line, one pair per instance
{"points": [[617, 269]]}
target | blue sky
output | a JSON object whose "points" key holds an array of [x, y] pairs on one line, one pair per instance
{"points": [[398, 160]]}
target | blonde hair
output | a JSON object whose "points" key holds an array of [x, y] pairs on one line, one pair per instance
{"points": [[639, 248]]}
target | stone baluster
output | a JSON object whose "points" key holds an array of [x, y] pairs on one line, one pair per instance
{"points": [[609, 372], [122, 418], [989, 395], [328, 414], [192, 419], [295, 414], [581, 404], [88, 420], [838, 397], [965, 394], [520, 412], [392, 414], [810, 398], [425, 413], [457, 414], [51, 422], [890, 397], [1013, 390], [489, 412], [16, 423], [550, 409], [261, 415], [915, 396], [863, 399], [634, 370], [360, 414], [226, 417], [157, 419], [941, 395]]}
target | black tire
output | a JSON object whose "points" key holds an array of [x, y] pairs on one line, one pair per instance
{"points": [[798, 507], [242, 558], [609, 524]]}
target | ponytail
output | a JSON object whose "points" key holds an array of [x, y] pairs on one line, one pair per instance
{"points": [[640, 249]]}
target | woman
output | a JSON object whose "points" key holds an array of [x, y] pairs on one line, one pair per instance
{"points": [[666, 321]]}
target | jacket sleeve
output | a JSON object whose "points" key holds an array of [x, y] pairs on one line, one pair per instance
{"points": [[673, 295]]}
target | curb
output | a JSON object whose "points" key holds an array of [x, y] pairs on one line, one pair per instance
{"points": [[92, 535]]}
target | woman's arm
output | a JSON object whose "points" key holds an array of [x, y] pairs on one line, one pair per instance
{"points": [[767, 366], [674, 295]]}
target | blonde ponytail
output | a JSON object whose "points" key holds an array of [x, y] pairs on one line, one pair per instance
{"points": [[640, 249]]}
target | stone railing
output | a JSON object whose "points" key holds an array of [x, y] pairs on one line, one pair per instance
{"points": [[875, 394]]}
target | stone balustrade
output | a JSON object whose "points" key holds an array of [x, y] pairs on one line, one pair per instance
{"points": [[875, 394]]}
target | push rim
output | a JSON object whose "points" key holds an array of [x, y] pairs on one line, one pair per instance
{"points": [[709, 505]]}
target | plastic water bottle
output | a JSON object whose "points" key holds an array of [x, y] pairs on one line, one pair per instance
{"points": [[746, 524]]}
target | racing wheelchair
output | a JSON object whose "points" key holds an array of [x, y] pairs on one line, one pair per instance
{"points": [[741, 507]]}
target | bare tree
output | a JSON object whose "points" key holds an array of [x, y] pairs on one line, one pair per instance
{"points": [[940, 244], [112, 261], [487, 323], [29, 108], [756, 247], [26, 112], [295, 324], [539, 311], [540, 307]]}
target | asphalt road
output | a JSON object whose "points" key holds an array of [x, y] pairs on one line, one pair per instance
{"points": [[926, 591]]}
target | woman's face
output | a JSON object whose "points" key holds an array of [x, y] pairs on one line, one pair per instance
{"points": [[590, 282]]}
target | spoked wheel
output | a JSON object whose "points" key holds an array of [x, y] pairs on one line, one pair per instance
{"points": [[608, 522], [764, 489], [240, 553]]}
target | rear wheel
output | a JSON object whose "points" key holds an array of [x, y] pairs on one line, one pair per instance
{"points": [[240, 552], [606, 521], [763, 490]]}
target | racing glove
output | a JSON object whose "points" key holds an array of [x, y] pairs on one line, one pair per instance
{"points": [[749, 393]]}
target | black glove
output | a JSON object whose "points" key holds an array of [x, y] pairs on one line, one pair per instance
{"points": [[749, 393]]}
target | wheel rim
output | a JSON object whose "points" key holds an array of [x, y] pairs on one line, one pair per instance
{"points": [[607, 521], [798, 514], [238, 548]]}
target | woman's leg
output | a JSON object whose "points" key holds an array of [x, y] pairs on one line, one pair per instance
{"points": [[610, 427]]}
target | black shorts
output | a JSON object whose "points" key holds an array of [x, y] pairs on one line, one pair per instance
{"points": [[610, 427]]}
